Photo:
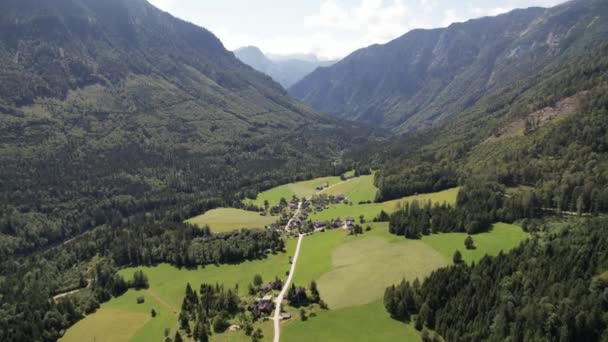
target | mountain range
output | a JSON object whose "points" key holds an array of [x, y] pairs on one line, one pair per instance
{"points": [[286, 70], [425, 77]]}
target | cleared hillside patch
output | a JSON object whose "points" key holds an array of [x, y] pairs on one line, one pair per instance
{"points": [[356, 189], [502, 237], [373, 209], [227, 219], [287, 191]]}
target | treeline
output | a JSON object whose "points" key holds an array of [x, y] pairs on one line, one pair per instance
{"points": [[549, 289], [478, 206]]}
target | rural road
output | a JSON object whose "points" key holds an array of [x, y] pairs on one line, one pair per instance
{"points": [[279, 299]]}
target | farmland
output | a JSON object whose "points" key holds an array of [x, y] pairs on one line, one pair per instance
{"points": [[287, 191], [371, 210], [226, 219], [351, 272]]}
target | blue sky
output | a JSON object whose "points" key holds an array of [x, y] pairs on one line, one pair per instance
{"points": [[328, 28]]}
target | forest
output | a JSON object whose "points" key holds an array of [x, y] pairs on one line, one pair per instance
{"points": [[552, 288]]}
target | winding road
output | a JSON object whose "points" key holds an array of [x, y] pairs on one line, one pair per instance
{"points": [[279, 299]]}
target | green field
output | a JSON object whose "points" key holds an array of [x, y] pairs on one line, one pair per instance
{"points": [[503, 237], [287, 191], [365, 323], [122, 319], [362, 267], [356, 189], [373, 209], [228, 219]]}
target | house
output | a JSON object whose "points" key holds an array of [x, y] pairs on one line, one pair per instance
{"points": [[340, 198], [277, 284], [140, 300], [285, 315], [350, 222], [303, 217], [319, 225], [267, 299], [266, 288], [337, 223], [263, 213], [293, 206]]}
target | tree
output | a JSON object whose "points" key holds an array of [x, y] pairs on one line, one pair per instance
{"points": [[266, 205], [220, 323], [469, 243], [303, 316], [457, 258], [257, 335], [153, 313], [178, 337], [257, 280], [315, 297], [140, 280]]}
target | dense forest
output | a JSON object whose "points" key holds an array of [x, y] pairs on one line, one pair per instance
{"points": [[552, 288]]}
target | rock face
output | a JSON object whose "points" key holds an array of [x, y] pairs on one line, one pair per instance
{"points": [[427, 76]]}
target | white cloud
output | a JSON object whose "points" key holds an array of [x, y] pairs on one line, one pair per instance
{"points": [[450, 17], [336, 29]]}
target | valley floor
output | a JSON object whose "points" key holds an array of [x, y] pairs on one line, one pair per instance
{"points": [[351, 272]]}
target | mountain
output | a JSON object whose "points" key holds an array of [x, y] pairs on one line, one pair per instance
{"points": [[286, 70], [111, 107], [427, 76]]}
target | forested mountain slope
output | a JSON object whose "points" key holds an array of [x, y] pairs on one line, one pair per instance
{"points": [[428, 76], [110, 108]]}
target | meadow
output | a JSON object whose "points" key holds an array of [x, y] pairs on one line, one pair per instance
{"points": [[227, 219], [371, 210], [287, 191], [356, 189], [362, 267]]}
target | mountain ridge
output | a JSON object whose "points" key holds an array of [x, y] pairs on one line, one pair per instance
{"points": [[427, 76], [286, 70]]}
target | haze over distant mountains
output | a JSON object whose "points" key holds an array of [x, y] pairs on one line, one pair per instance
{"points": [[426, 76], [285, 69]]}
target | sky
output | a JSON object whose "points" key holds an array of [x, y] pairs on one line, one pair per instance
{"points": [[329, 29]]}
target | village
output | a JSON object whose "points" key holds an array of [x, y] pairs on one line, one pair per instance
{"points": [[294, 216]]}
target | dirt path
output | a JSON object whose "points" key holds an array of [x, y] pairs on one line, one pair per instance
{"points": [[161, 301], [279, 299]]}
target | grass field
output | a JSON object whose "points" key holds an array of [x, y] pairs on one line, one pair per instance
{"points": [[287, 191], [365, 323], [122, 319], [373, 209], [356, 189], [228, 219], [362, 267], [503, 237]]}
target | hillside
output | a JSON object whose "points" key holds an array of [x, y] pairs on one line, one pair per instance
{"points": [[287, 71], [425, 77], [111, 108]]}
